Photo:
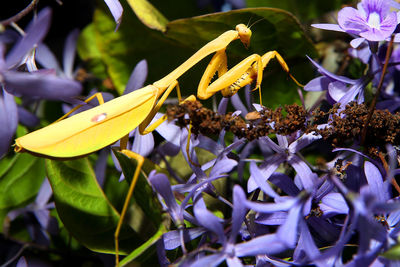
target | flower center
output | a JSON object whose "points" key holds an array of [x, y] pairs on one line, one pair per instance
{"points": [[374, 20]]}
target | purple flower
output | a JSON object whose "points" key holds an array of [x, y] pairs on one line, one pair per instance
{"points": [[36, 84], [286, 151], [41, 210], [9, 120], [339, 89], [372, 20]]}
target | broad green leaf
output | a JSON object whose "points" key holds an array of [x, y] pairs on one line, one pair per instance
{"points": [[21, 176], [148, 14], [84, 209], [305, 10]]}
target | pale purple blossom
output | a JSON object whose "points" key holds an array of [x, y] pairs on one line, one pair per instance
{"points": [[372, 20]]}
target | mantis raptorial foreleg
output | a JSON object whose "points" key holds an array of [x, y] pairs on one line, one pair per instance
{"points": [[240, 75]]}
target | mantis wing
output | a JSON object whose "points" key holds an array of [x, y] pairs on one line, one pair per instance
{"points": [[93, 129]]}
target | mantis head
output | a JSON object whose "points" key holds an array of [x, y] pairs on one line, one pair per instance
{"points": [[244, 34]]}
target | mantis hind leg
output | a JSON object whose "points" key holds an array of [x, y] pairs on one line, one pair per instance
{"points": [[99, 97], [140, 161]]}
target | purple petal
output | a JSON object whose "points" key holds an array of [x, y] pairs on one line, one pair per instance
{"points": [[328, 26], [261, 180], [44, 194], [303, 141], [318, 84], [238, 104], [172, 239], [352, 21], [225, 165], [307, 177], [375, 181], [168, 130], [259, 246], [333, 204], [27, 118], [285, 183], [355, 43], [331, 75], [143, 144], [276, 218], [162, 185], [101, 165], [46, 58], [211, 260], [22, 262], [69, 53], [8, 119], [43, 217], [138, 77], [116, 10], [272, 207], [351, 94], [238, 213], [34, 34], [223, 104], [208, 220], [287, 233], [266, 169], [234, 262], [306, 243], [387, 27], [267, 141], [210, 145], [337, 90], [41, 86]]}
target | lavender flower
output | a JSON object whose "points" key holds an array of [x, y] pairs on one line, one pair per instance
{"points": [[41, 211], [36, 84], [372, 20], [337, 87]]}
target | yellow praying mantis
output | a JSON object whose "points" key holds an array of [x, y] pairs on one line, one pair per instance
{"points": [[96, 128]]}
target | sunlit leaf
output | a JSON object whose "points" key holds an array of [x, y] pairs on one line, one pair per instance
{"points": [[148, 14]]}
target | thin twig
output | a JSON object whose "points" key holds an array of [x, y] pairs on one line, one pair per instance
{"points": [[378, 91], [20, 15]]}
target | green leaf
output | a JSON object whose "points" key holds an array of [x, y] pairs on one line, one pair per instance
{"points": [[90, 53], [140, 250], [21, 176], [85, 210], [148, 14], [393, 253], [305, 10]]}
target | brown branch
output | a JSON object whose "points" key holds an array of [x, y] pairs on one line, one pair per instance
{"points": [[20, 15], [378, 92]]}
